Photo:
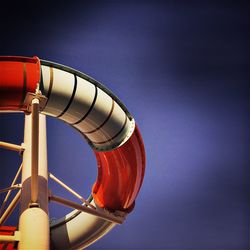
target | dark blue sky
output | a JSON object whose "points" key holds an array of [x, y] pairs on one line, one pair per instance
{"points": [[182, 69]]}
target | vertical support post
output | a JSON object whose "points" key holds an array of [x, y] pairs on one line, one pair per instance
{"points": [[34, 149], [34, 219]]}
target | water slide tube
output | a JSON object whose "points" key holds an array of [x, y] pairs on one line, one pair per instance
{"points": [[101, 119]]}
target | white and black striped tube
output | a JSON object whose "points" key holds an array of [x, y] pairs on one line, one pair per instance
{"points": [[86, 105], [78, 230]]}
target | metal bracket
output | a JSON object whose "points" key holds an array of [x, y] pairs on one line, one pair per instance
{"points": [[101, 213], [11, 146], [34, 204], [13, 187], [15, 237], [38, 95]]}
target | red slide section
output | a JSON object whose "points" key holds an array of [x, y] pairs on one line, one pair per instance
{"points": [[6, 230], [18, 75], [120, 174]]}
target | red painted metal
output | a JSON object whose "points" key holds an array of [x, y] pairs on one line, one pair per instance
{"points": [[7, 230], [120, 174], [18, 75]]}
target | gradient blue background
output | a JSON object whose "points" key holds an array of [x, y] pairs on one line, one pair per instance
{"points": [[182, 69]]}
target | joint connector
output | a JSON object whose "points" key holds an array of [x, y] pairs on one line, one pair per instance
{"points": [[34, 204], [36, 98]]}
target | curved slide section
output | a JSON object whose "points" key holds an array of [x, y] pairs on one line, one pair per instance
{"points": [[105, 123], [86, 105], [78, 230]]}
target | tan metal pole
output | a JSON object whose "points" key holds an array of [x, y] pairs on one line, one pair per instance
{"points": [[10, 208], [4, 190], [10, 146], [34, 149], [71, 191], [68, 203], [8, 194], [9, 238], [34, 219]]}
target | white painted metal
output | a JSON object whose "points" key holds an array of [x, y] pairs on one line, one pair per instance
{"points": [[99, 113], [113, 133], [34, 219], [111, 128], [62, 88], [78, 230], [46, 78], [33, 225], [84, 96]]}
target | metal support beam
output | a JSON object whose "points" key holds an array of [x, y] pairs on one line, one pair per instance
{"points": [[10, 208], [34, 149], [10, 146], [103, 215], [4, 190], [10, 238], [34, 218], [71, 190], [9, 192]]}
